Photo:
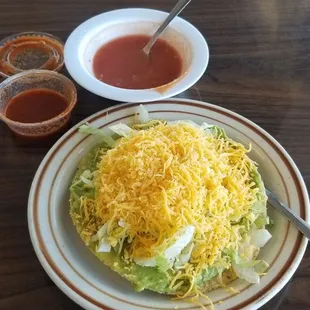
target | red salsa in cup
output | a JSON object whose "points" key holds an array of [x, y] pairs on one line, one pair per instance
{"points": [[35, 105]]}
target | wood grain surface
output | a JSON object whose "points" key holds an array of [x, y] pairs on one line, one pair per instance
{"points": [[259, 67]]}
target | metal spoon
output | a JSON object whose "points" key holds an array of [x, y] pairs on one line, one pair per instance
{"points": [[174, 12], [297, 221]]}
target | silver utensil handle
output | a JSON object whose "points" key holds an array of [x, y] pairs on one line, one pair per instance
{"points": [[174, 12], [297, 221]]}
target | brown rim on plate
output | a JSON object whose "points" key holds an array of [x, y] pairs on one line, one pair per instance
{"points": [[256, 297], [101, 115]]}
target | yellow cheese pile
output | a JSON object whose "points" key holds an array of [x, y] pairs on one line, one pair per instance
{"points": [[161, 179]]}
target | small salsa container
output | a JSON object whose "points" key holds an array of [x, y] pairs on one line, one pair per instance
{"points": [[37, 79], [30, 50]]}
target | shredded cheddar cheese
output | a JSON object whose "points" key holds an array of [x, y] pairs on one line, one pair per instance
{"points": [[163, 178]]}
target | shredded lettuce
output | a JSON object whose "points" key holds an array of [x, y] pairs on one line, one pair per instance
{"points": [[146, 262], [121, 223], [183, 238], [184, 257], [257, 179], [179, 241], [247, 273], [259, 207], [88, 129], [103, 246], [86, 178], [262, 221], [163, 263], [259, 237], [122, 130], [246, 267], [208, 274], [143, 115], [119, 246], [208, 129], [101, 236], [243, 262], [205, 126], [217, 132]]}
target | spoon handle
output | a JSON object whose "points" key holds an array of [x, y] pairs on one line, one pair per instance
{"points": [[174, 12], [299, 223]]}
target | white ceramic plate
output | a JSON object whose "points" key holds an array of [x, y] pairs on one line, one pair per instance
{"points": [[87, 38], [79, 274]]}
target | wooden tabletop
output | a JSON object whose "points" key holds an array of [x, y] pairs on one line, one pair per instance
{"points": [[259, 67]]}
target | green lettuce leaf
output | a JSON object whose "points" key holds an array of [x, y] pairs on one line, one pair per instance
{"points": [[208, 274], [86, 128], [216, 131], [162, 263]]}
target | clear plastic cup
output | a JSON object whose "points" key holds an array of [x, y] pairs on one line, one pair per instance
{"points": [[29, 51], [37, 79]]}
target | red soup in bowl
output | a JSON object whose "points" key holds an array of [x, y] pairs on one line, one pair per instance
{"points": [[122, 63]]}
